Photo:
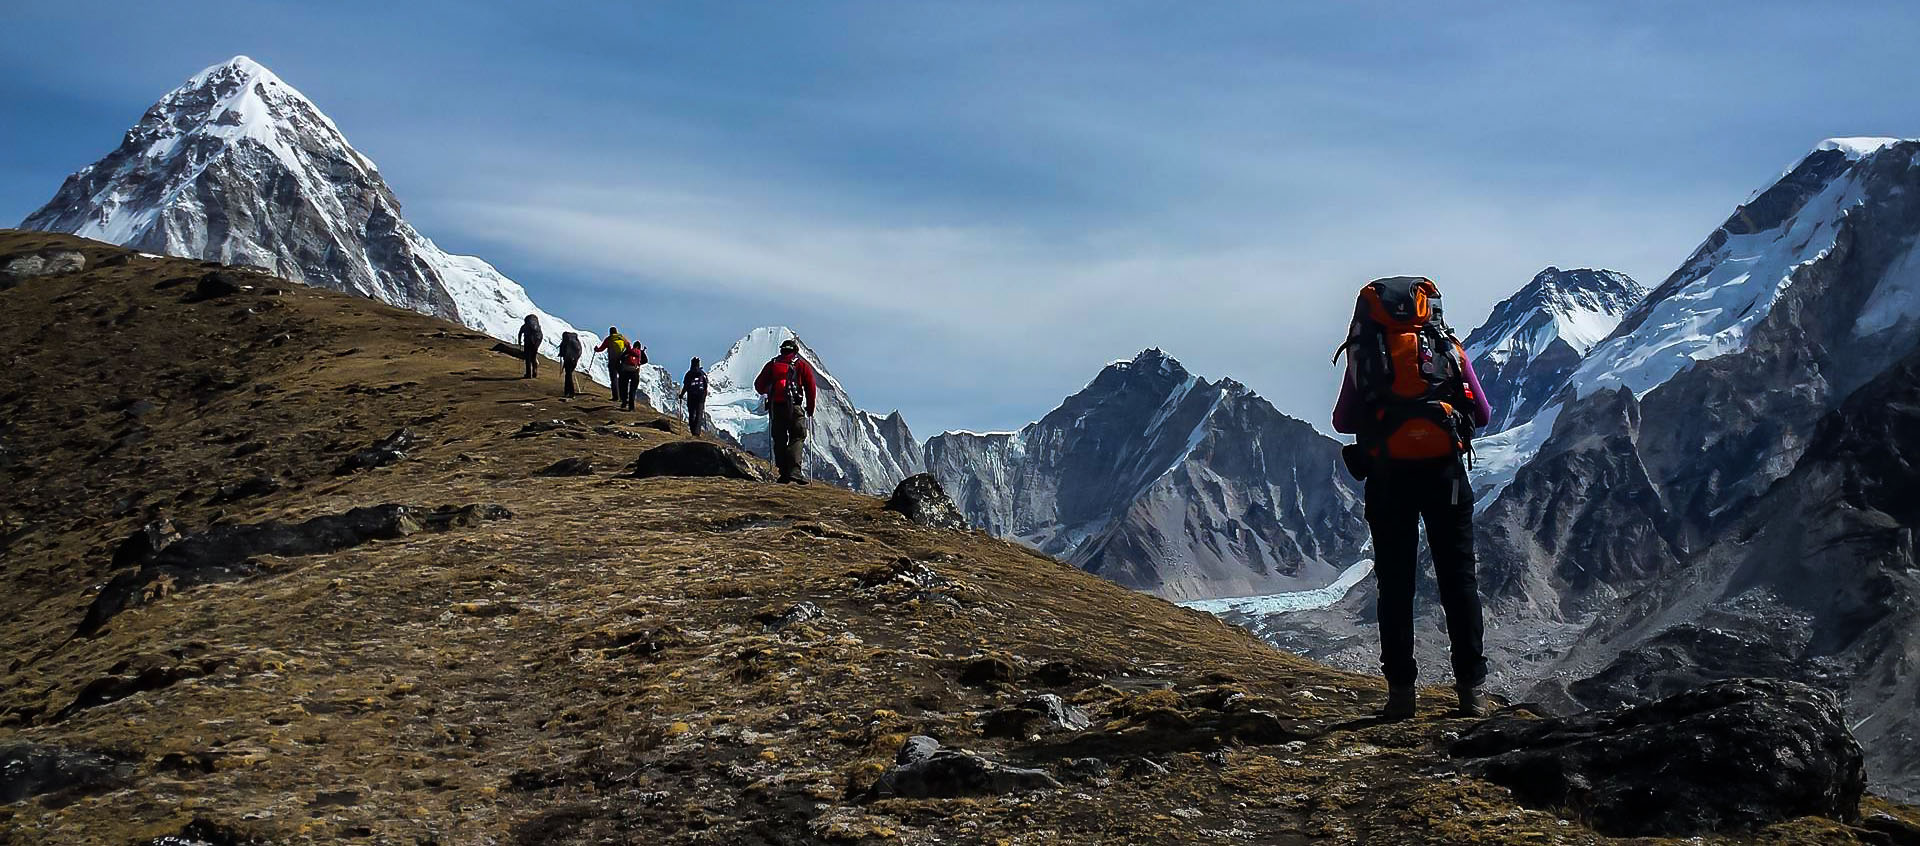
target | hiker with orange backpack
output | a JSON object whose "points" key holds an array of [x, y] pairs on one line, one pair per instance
{"points": [[1412, 401], [787, 383]]}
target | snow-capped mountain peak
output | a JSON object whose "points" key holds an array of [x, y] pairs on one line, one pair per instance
{"points": [[1534, 338], [237, 166]]}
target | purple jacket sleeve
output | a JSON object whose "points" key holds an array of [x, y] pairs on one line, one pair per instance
{"points": [[1482, 410], [1346, 409]]}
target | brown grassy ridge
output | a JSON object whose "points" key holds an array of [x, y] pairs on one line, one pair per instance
{"points": [[598, 667]]}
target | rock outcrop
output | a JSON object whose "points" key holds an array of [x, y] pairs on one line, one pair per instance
{"points": [[1163, 481], [921, 499], [697, 458], [1734, 755]]}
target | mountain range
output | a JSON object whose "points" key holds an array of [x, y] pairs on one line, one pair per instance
{"points": [[1707, 480]]}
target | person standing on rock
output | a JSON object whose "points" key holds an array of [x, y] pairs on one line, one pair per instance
{"points": [[787, 383], [693, 389], [626, 385], [1412, 400], [614, 345], [529, 339], [570, 349]]}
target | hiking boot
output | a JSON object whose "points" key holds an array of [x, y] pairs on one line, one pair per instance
{"points": [[1400, 703], [1473, 702], [799, 480]]}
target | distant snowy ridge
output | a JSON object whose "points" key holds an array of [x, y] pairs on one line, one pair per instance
{"points": [[237, 166], [1707, 308]]}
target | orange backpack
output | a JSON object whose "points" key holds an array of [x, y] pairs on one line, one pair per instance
{"points": [[1406, 365]]}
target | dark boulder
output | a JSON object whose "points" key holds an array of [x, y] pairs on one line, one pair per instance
{"points": [[32, 769], [141, 546], [696, 458], [387, 450], [923, 501], [984, 670], [792, 615], [1044, 713], [260, 485], [1738, 754], [230, 553], [925, 770], [575, 466], [217, 283]]}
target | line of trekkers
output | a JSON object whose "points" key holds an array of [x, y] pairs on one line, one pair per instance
{"points": [[786, 385]]}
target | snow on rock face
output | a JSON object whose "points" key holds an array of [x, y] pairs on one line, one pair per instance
{"points": [[1158, 479], [1534, 338], [237, 166], [1709, 307], [847, 446]]}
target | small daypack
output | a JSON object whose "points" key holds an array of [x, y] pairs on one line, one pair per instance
{"points": [[635, 356], [1406, 366]]}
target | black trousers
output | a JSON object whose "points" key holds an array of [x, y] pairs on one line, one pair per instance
{"points": [[696, 413], [626, 384], [532, 357], [1399, 499], [788, 426], [568, 365]]}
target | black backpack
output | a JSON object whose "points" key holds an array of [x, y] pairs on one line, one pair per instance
{"points": [[697, 382]]}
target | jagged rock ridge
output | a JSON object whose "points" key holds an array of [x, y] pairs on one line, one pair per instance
{"points": [[1161, 480]]}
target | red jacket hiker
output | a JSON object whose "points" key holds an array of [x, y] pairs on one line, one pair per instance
{"points": [[773, 378]]}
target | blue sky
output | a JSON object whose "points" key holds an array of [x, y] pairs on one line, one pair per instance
{"points": [[969, 208]]}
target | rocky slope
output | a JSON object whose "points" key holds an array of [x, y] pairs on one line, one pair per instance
{"points": [[1532, 340], [237, 166], [848, 446], [384, 591], [1161, 480]]}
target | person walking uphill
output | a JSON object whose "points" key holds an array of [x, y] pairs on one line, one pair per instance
{"points": [[693, 389], [787, 383], [529, 339], [615, 346], [570, 349], [626, 380], [1412, 400]]}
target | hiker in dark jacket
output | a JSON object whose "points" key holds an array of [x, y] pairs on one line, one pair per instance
{"points": [[570, 349], [787, 383], [693, 389], [1413, 400], [615, 346], [529, 339]]}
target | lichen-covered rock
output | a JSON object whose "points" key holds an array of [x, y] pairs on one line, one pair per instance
{"points": [[1737, 754], [387, 450], [923, 501], [17, 269], [229, 553], [1046, 712], [924, 769]]}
